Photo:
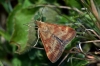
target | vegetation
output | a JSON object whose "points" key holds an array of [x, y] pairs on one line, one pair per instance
{"points": [[18, 31]]}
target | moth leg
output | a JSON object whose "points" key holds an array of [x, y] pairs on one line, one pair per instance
{"points": [[37, 38], [37, 41], [38, 48]]}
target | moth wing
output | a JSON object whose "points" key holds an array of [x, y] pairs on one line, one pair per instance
{"points": [[54, 39]]}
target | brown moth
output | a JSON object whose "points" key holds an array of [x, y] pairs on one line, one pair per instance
{"points": [[54, 38]]}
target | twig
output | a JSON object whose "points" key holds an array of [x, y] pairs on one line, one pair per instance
{"points": [[63, 7], [91, 41]]}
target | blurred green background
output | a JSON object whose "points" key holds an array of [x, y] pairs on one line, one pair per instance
{"points": [[18, 32]]}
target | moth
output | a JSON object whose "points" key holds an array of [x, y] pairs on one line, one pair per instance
{"points": [[54, 38]]}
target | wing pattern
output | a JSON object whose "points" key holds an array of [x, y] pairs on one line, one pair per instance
{"points": [[54, 38]]}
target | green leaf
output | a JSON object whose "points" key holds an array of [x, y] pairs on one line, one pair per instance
{"points": [[5, 35], [73, 3], [24, 35], [10, 20], [1, 64], [6, 5], [50, 14], [26, 3], [16, 62]]}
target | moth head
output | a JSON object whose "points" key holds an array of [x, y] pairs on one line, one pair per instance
{"points": [[42, 26]]}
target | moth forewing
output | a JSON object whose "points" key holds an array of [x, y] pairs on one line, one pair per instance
{"points": [[54, 38]]}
